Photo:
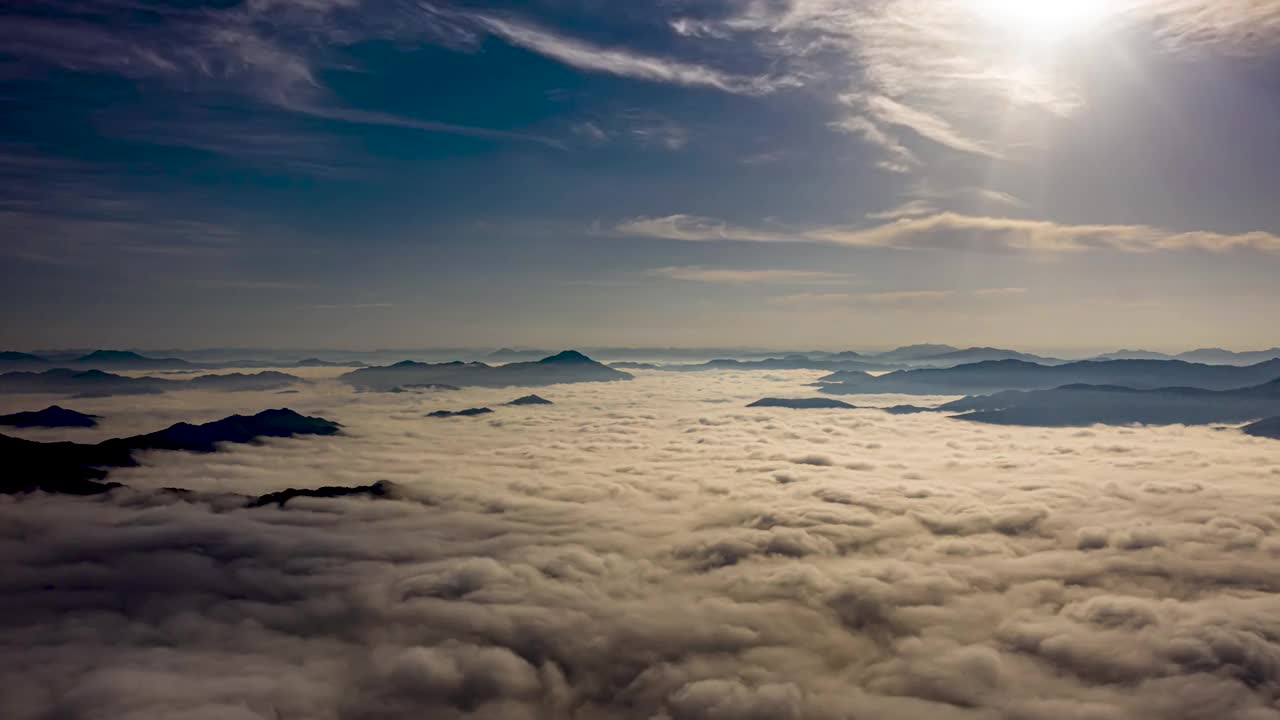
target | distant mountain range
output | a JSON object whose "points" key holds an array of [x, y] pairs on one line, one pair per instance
{"points": [[673, 359], [1082, 405], [96, 383], [1209, 356], [900, 359], [316, 362], [79, 469], [566, 367], [984, 378], [790, 362], [983, 354], [915, 352], [124, 359], [129, 360], [507, 355]]}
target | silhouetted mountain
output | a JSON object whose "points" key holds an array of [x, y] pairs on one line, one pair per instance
{"points": [[124, 359], [567, 357], [471, 412], [316, 362], [78, 469], [96, 383], [1269, 428], [566, 367], [1218, 356], [50, 417], [1079, 405], [790, 362], [843, 356], [12, 356], [803, 404], [985, 354], [908, 410], [382, 488], [531, 400], [10, 360], [635, 366], [843, 376], [1134, 355], [507, 355], [88, 382], [233, 429], [988, 377], [915, 352], [832, 404], [232, 382]]}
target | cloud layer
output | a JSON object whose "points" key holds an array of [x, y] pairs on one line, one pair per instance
{"points": [[954, 231], [655, 550]]}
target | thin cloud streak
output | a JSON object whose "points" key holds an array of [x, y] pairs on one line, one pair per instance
{"points": [[266, 51], [626, 63], [938, 68], [694, 273], [953, 231], [892, 297]]}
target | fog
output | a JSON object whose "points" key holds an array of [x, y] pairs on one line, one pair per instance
{"points": [[651, 550]]}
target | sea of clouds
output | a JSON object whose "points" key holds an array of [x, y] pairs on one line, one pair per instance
{"points": [[649, 550]]}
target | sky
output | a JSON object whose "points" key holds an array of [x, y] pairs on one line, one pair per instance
{"points": [[773, 173]]}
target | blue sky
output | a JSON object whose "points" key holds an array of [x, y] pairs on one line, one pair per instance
{"points": [[804, 173]]}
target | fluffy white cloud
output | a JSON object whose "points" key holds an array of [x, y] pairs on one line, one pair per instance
{"points": [[653, 549]]}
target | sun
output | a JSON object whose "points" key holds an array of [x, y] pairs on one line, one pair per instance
{"points": [[1044, 20]]}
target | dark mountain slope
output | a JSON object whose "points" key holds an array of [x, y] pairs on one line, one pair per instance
{"points": [[78, 469], [1269, 428]]}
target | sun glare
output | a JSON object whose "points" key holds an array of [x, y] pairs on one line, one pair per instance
{"points": [[1044, 20]]}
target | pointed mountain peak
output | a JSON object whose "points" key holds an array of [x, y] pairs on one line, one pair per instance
{"points": [[568, 356]]}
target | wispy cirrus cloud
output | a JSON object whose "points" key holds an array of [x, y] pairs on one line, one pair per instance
{"points": [[693, 228], [268, 51], [953, 231], [696, 273], [927, 76], [628, 63], [934, 127], [355, 306], [1242, 28], [893, 297], [65, 212]]}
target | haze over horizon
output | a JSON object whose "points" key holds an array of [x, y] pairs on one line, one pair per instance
{"points": [[805, 173]]}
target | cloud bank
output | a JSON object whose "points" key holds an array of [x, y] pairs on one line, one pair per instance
{"points": [[954, 231], [655, 550]]}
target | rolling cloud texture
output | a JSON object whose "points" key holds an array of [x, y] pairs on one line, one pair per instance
{"points": [[652, 550]]}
